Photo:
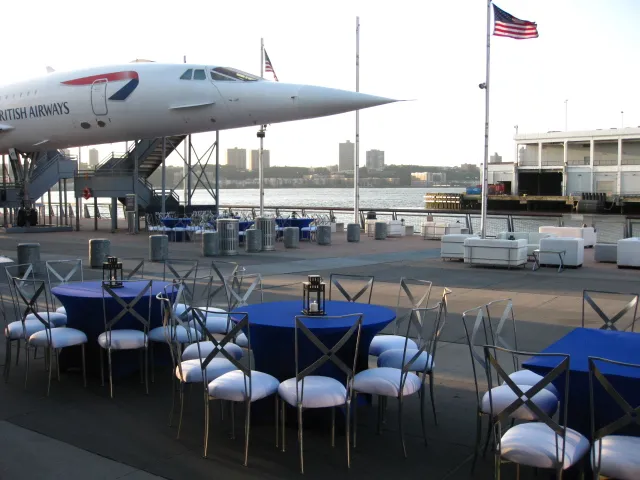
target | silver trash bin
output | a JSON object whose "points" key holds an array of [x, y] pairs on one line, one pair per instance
{"points": [[228, 235], [268, 227]]}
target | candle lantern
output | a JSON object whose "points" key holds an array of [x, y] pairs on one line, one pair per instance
{"points": [[112, 272], [313, 296]]}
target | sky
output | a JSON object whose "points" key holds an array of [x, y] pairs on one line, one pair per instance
{"points": [[432, 53]]}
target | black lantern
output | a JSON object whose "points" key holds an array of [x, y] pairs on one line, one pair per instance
{"points": [[313, 296], [112, 272]]}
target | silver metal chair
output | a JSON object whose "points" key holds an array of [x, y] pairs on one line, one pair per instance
{"points": [[125, 339], [242, 290], [322, 391], [133, 268], [368, 280], [61, 272], [612, 456], [629, 310]]}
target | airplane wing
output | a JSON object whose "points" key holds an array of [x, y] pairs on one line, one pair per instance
{"points": [[5, 128], [50, 70], [191, 105]]}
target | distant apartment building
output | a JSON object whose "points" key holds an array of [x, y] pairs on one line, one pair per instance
{"points": [[237, 157], [495, 158], [468, 167], [375, 160], [255, 157], [426, 179], [93, 157], [346, 157]]}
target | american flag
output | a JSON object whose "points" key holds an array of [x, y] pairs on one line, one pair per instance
{"points": [[268, 67], [506, 25]]}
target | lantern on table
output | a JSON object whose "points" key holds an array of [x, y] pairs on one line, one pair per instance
{"points": [[313, 296], [112, 272]]}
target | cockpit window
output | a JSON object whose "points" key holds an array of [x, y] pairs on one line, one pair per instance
{"points": [[233, 74], [220, 78], [187, 75], [199, 75]]}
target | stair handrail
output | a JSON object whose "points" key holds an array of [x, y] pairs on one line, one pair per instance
{"points": [[41, 167]]}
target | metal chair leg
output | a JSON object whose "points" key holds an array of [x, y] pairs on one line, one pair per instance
{"points": [[355, 417], [84, 367], [110, 373], [404, 448], [26, 354], [282, 405], [422, 420], [233, 422], [153, 363], [247, 430], [277, 419], [348, 433], [7, 360], [18, 353], [433, 399], [101, 366], [173, 397], [333, 426], [57, 352], [146, 370], [206, 423], [300, 438], [50, 352]]}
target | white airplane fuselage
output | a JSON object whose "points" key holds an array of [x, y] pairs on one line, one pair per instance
{"points": [[148, 100]]}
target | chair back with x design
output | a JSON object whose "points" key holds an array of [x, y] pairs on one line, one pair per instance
{"points": [[22, 272], [186, 270], [304, 334], [60, 272], [336, 278], [126, 308], [30, 293], [133, 268], [478, 333], [525, 398], [175, 294], [240, 289], [630, 309], [503, 331], [413, 293]]}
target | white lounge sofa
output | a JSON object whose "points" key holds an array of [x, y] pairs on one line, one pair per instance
{"points": [[629, 252], [495, 252], [452, 245], [588, 234], [532, 238], [435, 231], [573, 251]]}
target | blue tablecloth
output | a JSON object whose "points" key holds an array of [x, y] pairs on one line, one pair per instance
{"points": [[83, 302], [295, 222], [172, 222], [272, 335], [582, 343], [244, 224]]}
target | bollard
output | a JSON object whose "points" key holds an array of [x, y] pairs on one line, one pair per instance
{"points": [[291, 237], [158, 248], [253, 240], [323, 234], [210, 244], [339, 227], [99, 250], [268, 227], [353, 232], [29, 253], [380, 231]]}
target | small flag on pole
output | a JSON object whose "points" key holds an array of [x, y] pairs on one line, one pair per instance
{"points": [[506, 25], [268, 67]]}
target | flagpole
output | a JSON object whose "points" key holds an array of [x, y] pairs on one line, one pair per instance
{"points": [[356, 167], [261, 136], [485, 165]]}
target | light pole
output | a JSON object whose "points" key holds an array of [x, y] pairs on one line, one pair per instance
{"points": [[566, 109]]}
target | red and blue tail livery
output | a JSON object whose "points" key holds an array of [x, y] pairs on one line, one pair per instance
{"points": [[121, 94]]}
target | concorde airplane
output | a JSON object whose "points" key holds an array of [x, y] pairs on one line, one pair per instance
{"points": [[149, 100]]}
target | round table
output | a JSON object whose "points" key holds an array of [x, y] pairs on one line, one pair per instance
{"points": [[84, 305], [272, 328]]}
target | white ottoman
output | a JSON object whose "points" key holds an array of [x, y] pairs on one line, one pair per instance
{"points": [[629, 252], [588, 234], [452, 246], [573, 251]]}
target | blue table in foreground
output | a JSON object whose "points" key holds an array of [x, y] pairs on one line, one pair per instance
{"points": [[83, 302], [580, 344], [272, 335]]}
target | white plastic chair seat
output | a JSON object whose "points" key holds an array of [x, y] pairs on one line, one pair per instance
{"points": [[319, 392], [534, 445], [385, 381], [231, 386], [503, 396], [190, 371], [191, 352], [179, 334], [527, 377], [61, 310], [60, 338], [620, 457], [242, 340], [55, 318], [382, 343], [123, 339], [393, 359], [14, 330]]}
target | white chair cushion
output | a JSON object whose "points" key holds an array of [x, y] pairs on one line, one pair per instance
{"points": [[60, 338], [242, 340], [231, 386], [55, 318], [319, 392], [216, 323], [61, 310], [534, 445], [382, 343], [179, 334], [503, 396], [191, 352], [385, 381], [527, 377], [123, 339], [190, 371], [14, 329], [620, 457], [393, 359]]}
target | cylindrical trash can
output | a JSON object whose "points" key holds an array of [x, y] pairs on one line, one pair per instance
{"points": [[99, 250], [323, 234], [353, 232], [268, 227], [228, 235], [380, 231], [253, 240], [210, 244], [158, 248], [29, 253], [291, 237]]}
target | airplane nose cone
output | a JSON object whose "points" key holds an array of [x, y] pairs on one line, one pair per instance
{"points": [[320, 101]]}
